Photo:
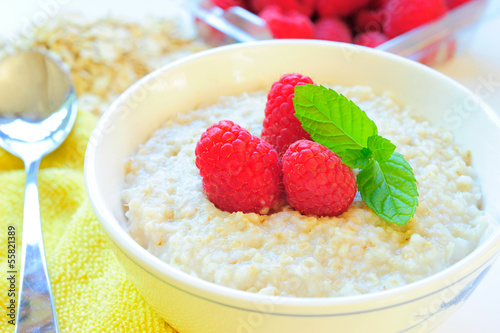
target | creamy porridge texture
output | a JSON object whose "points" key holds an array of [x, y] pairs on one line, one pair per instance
{"points": [[290, 254]]}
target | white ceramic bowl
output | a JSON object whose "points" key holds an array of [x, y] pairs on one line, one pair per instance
{"points": [[190, 304]]}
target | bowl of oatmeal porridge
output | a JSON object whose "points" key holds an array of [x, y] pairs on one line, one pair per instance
{"points": [[207, 270]]}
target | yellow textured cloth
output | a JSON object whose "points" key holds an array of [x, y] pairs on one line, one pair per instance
{"points": [[92, 293]]}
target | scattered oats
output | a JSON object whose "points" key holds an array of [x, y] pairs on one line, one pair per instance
{"points": [[107, 55]]}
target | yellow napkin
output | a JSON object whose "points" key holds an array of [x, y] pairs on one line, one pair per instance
{"points": [[92, 293]]}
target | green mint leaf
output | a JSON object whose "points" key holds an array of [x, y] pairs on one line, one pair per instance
{"points": [[390, 189], [381, 148], [386, 180], [331, 119], [356, 158]]}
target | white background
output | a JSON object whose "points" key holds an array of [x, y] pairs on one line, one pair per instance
{"points": [[480, 61]]}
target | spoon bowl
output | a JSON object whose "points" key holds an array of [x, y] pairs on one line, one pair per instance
{"points": [[37, 111], [37, 104]]}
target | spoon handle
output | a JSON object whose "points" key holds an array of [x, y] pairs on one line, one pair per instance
{"points": [[35, 310]]}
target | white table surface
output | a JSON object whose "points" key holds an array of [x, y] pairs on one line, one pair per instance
{"points": [[481, 61]]}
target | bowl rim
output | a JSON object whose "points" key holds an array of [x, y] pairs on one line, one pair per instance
{"points": [[174, 276]]}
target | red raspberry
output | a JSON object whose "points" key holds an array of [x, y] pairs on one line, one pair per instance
{"points": [[240, 171], [371, 39], [225, 4], [405, 15], [305, 7], [316, 181], [368, 20], [455, 3], [281, 127], [339, 7], [290, 24], [333, 28], [376, 4]]}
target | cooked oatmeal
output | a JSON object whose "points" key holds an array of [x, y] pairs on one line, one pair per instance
{"points": [[290, 254]]}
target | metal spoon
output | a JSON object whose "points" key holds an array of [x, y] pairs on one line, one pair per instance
{"points": [[37, 111]]}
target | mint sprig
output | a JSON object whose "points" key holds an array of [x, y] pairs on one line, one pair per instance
{"points": [[356, 158], [380, 147], [389, 188], [386, 180], [331, 119]]}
